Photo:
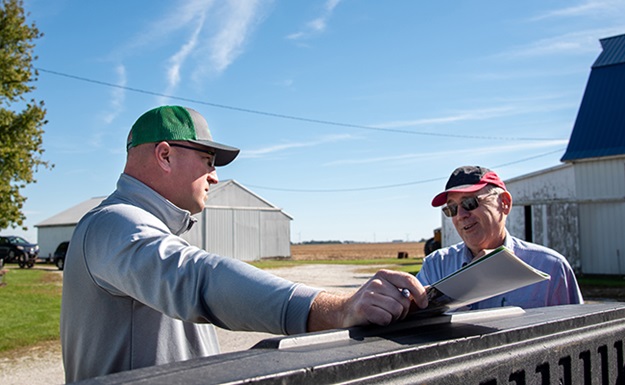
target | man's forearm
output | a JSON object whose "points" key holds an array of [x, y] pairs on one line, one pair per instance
{"points": [[326, 312]]}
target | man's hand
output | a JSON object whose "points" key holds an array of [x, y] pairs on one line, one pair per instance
{"points": [[379, 302]]}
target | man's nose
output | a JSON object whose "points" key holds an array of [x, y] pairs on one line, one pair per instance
{"points": [[462, 212], [212, 177]]}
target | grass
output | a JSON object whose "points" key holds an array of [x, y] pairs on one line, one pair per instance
{"points": [[407, 265], [30, 306]]}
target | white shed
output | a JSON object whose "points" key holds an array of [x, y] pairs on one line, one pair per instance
{"points": [[236, 223], [240, 224], [59, 228]]}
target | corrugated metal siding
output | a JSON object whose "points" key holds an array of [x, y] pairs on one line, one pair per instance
{"points": [[275, 230], [601, 238], [601, 191], [603, 179], [247, 234], [556, 226], [553, 183], [242, 233], [219, 236]]}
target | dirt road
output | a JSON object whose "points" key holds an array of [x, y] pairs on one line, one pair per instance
{"points": [[42, 364]]}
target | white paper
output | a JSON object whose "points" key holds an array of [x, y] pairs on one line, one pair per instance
{"points": [[496, 273]]}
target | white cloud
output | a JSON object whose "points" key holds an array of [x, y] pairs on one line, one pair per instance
{"points": [[209, 35], [287, 146], [570, 43], [580, 41], [176, 62], [585, 9], [519, 106], [162, 30], [457, 117], [456, 153], [238, 21], [317, 25], [118, 96]]}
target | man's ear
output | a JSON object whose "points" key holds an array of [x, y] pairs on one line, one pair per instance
{"points": [[162, 151], [506, 202]]}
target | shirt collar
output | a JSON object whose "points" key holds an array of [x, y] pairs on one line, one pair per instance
{"points": [[176, 219], [467, 257]]}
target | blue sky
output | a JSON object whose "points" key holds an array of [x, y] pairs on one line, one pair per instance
{"points": [[350, 114]]}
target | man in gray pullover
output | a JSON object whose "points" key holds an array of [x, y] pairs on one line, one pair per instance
{"points": [[136, 294]]}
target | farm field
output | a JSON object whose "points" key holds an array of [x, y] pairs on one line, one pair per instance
{"points": [[340, 251]]}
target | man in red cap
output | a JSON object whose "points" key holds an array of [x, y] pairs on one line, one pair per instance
{"points": [[478, 203]]}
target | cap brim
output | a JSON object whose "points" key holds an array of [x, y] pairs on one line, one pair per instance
{"points": [[441, 198], [223, 154]]}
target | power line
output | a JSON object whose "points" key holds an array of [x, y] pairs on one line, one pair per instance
{"points": [[390, 185], [290, 117], [316, 121], [346, 189], [529, 158]]}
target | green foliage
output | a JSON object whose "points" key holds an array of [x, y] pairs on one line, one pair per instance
{"points": [[30, 308], [21, 121]]}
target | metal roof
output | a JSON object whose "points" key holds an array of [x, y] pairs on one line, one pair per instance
{"points": [[613, 51], [72, 215], [599, 129]]}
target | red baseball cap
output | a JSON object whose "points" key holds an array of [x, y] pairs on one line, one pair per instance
{"points": [[468, 179]]}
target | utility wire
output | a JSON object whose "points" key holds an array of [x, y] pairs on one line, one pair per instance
{"points": [[390, 185], [291, 117], [316, 121], [345, 189]]}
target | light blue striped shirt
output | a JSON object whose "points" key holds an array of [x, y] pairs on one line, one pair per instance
{"points": [[561, 289]]}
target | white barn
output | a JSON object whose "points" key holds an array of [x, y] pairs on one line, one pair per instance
{"points": [[235, 223]]}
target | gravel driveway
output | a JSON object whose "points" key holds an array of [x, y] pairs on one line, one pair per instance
{"points": [[42, 364]]}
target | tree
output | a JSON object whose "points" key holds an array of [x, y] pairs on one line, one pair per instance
{"points": [[21, 121]]}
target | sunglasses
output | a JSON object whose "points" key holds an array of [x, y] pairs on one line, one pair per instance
{"points": [[469, 204], [202, 150]]}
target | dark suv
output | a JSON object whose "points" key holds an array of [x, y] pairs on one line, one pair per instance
{"points": [[59, 255], [17, 249]]}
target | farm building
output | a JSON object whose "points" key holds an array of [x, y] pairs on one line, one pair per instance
{"points": [[59, 228], [578, 207], [235, 223]]}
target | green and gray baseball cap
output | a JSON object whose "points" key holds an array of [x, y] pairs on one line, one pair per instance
{"points": [[178, 123]]}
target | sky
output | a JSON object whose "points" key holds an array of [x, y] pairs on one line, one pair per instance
{"points": [[350, 114]]}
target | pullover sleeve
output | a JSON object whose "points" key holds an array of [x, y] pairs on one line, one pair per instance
{"points": [[137, 257]]}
